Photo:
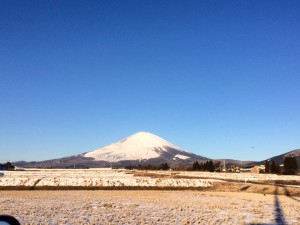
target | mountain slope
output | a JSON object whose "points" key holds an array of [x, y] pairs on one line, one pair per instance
{"points": [[279, 159], [140, 148]]}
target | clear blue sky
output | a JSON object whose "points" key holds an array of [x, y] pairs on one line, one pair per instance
{"points": [[214, 77]]}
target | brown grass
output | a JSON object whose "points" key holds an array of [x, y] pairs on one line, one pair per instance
{"points": [[255, 188], [147, 207], [217, 187]]}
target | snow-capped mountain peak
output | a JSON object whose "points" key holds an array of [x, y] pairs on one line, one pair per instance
{"points": [[139, 146]]}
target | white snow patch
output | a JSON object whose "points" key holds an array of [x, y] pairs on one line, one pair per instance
{"points": [[140, 146], [181, 156]]}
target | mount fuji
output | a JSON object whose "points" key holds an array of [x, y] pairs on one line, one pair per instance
{"points": [[139, 148]]}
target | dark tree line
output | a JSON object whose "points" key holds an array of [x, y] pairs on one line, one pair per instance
{"points": [[207, 166], [271, 168], [163, 166], [7, 166], [290, 166]]}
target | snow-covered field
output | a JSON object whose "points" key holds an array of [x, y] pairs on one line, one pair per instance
{"points": [[125, 178], [94, 178], [148, 207]]}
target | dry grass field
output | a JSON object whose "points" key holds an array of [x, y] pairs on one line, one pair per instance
{"points": [[148, 197], [148, 207]]}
